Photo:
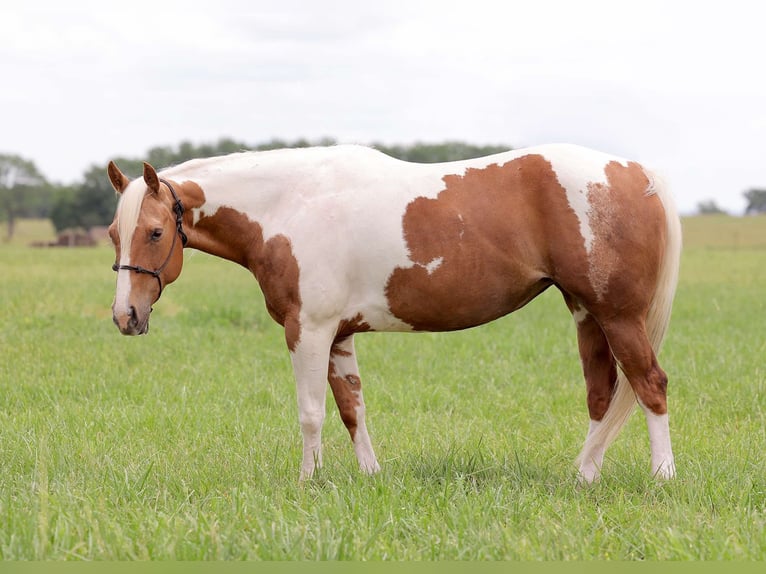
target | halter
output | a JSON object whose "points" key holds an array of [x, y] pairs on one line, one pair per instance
{"points": [[178, 208]]}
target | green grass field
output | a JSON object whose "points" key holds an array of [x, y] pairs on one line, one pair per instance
{"points": [[184, 444]]}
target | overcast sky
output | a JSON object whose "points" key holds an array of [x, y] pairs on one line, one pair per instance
{"points": [[680, 86]]}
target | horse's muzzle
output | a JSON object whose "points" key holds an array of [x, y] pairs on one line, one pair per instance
{"points": [[130, 322]]}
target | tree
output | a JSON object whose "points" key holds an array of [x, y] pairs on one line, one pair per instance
{"points": [[709, 207], [756, 201], [92, 202], [63, 213], [22, 188], [434, 153]]}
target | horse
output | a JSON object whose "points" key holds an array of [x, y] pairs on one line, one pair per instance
{"points": [[344, 240]]}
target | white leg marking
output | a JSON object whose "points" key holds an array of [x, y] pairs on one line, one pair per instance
{"points": [[663, 463], [362, 443], [590, 469], [310, 361]]}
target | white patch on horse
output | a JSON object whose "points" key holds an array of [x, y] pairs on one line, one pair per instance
{"points": [[365, 454], [578, 201], [663, 463], [575, 171], [433, 265], [128, 210], [579, 315]]}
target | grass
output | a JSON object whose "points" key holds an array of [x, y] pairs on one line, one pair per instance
{"points": [[185, 445]]}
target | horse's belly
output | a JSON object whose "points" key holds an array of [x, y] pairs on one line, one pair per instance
{"points": [[430, 300]]}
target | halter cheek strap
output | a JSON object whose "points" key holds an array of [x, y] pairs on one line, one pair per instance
{"points": [[178, 209]]}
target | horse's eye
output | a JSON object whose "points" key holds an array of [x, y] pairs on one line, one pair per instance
{"points": [[156, 234]]}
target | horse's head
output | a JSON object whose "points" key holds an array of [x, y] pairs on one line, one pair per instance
{"points": [[148, 240]]}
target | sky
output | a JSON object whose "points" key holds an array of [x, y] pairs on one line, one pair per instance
{"points": [[679, 86]]}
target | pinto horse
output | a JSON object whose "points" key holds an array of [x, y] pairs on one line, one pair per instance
{"points": [[345, 239]]}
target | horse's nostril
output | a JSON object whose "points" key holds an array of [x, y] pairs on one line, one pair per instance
{"points": [[132, 320]]}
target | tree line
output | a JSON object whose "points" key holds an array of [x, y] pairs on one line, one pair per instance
{"points": [[26, 193]]}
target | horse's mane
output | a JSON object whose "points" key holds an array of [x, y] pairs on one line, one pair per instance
{"points": [[128, 210]]}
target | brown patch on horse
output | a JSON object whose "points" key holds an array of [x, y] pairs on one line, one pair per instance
{"points": [[496, 237], [355, 324], [620, 272], [479, 247], [345, 389], [343, 376], [192, 196], [621, 259], [232, 235], [598, 365], [639, 363]]}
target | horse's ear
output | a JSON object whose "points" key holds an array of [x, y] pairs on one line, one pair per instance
{"points": [[151, 179], [119, 180]]}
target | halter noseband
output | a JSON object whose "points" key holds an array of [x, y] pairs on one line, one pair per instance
{"points": [[178, 208]]}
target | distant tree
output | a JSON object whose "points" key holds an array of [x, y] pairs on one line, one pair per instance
{"points": [[756, 201], [63, 213], [440, 152], [282, 144], [96, 199], [709, 207], [22, 190], [90, 203]]}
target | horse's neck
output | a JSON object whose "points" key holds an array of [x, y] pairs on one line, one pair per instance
{"points": [[230, 203]]}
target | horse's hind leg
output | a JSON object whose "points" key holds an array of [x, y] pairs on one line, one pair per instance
{"points": [[630, 346], [600, 373], [346, 385]]}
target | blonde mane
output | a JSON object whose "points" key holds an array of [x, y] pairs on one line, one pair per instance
{"points": [[128, 210]]}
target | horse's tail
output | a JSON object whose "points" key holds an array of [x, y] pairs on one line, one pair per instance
{"points": [[623, 398], [658, 318]]}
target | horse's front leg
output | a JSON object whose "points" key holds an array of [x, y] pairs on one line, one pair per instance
{"points": [[310, 357]]}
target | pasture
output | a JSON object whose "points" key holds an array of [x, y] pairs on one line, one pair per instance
{"points": [[185, 444]]}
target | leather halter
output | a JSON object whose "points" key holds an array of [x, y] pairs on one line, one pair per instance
{"points": [[178, 208]]}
